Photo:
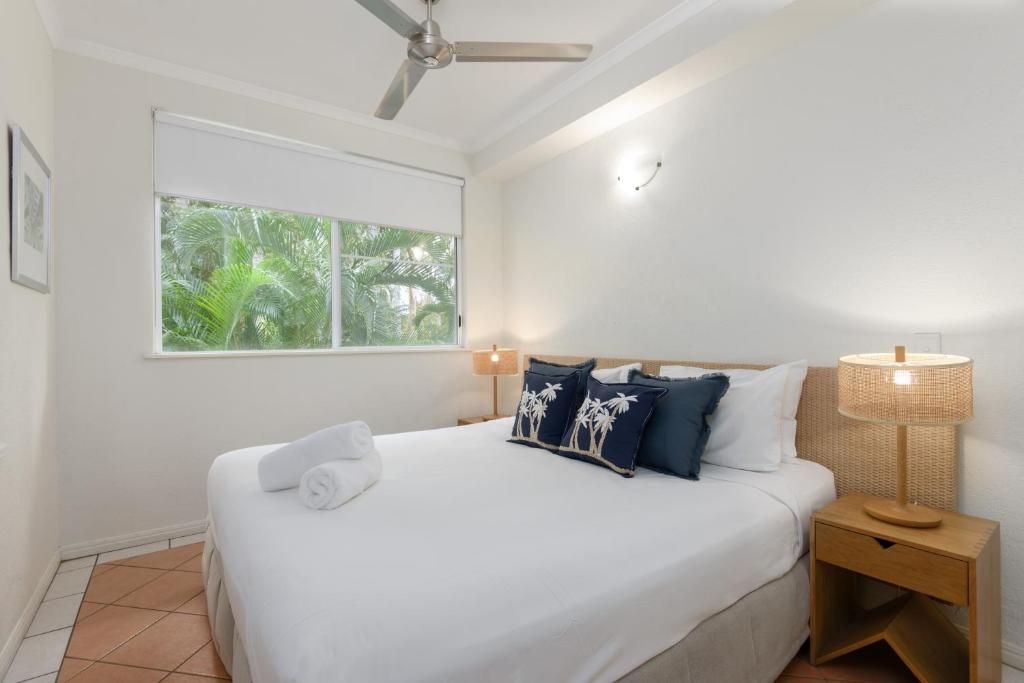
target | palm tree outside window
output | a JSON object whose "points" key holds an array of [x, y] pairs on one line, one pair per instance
{"points": [[237, 278]]}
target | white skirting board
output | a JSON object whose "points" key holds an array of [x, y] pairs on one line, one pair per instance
{"points": [[103, 545], [1013, 655], [10, 648]]}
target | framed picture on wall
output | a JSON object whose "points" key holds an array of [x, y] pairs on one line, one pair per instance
{"points": [[30, 214]]}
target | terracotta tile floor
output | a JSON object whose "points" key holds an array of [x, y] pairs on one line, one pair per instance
{"points": [[143, 619]]}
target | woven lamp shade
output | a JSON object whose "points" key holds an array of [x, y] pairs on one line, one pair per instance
{"points": [[496, 362], [924, 389]]}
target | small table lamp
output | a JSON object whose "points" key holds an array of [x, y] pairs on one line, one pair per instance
{"points": [[920, 389], [495, 361]]}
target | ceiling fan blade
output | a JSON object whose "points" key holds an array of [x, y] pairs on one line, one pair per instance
{"points": [[409, 74], [521, 52], [392, 15]]}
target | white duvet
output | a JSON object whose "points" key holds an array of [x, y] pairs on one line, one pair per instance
{"points": [[477, 560]]}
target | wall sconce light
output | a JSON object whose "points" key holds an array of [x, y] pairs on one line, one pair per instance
{"points": [[638, 172]]}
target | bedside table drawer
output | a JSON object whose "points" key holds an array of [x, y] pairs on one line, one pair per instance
{"points": [[918, 570]]}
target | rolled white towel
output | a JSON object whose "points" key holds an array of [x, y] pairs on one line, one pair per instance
{"points": [[283, 468], [334, 483]]}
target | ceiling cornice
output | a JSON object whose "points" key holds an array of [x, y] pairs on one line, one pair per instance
{"points": [[492, 148], [714, 52], [51, 20], [592, 69], [667, 22], [257, 92], [48, 12]]}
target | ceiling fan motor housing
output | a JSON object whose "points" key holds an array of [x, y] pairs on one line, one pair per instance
{"points": [[429, 49]]}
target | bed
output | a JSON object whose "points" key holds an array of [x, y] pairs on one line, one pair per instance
{"points": [[474, 559]]}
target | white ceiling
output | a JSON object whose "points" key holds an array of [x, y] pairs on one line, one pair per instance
{"points": [[336, 53]]}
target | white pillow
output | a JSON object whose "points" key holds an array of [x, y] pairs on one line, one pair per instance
{"points": [[617, 375], [746, 429], [790, 401]]}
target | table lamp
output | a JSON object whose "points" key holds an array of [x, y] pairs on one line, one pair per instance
{"points": [[919, 389], [494, 362]]}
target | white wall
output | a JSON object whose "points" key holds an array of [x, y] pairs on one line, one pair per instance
{"points": [[136, 435], [28, 470], [862, 186]]}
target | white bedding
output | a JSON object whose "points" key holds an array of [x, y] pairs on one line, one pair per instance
{"points": [[474, 559]]}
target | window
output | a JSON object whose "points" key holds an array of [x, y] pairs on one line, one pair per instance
{"points": [[397, 287], [237, 278], [305, 275]]}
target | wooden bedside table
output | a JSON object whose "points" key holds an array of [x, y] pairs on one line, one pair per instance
{"points": [[463, 421], [956, 562]]}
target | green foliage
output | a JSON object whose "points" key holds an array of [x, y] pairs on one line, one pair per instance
{"points": [[237, 278], [397, 287]]}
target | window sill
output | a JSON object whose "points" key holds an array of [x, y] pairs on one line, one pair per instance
{"points": [[351, 351]]}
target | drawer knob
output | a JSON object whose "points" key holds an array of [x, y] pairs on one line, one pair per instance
{"points": [[884, 543]]}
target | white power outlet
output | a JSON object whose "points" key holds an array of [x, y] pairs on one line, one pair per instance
{"points": [[927, 342]]}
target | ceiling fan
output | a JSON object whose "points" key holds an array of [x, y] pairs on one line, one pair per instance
{"points": [[428, 50]]}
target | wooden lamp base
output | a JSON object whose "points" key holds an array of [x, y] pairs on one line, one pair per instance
{"points": [[898, 511], [902, 515], [494, 406]]}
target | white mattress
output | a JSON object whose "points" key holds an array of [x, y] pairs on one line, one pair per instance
{"points": [[478, 560]]}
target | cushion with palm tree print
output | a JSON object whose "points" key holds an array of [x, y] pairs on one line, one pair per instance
{"points": [[544, 367], [545, 408], [609, 424], [677, 434]]}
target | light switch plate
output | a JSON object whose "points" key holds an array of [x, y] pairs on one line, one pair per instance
{"points": [[927, 342]]}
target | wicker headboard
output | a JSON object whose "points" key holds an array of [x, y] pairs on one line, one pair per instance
{"points": [[862, 455]]}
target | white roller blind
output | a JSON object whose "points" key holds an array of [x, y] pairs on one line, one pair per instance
{"points": [[204, 160]]}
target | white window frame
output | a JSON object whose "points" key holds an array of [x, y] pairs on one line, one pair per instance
{"points": [[336, 331]]}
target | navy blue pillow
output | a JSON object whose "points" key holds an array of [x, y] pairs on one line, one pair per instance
{"points": [[607, 427], [545, 408], [543, 367], [675, 438]]}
